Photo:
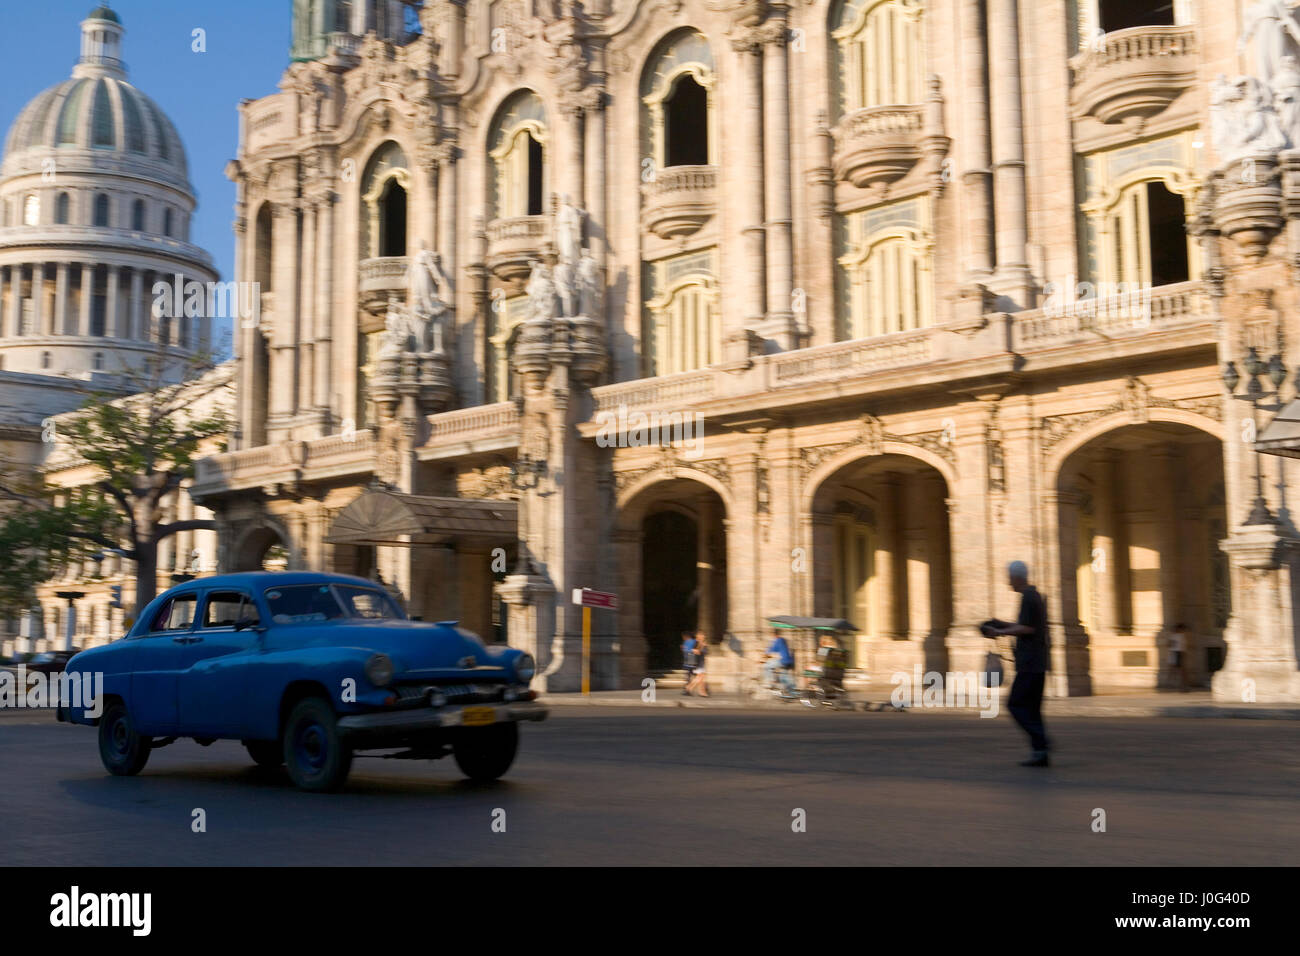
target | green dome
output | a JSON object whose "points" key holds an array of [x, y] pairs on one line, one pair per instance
{"points": [[102, 12]]}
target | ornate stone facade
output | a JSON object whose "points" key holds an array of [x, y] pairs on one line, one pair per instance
{"points": [[901, 317]]}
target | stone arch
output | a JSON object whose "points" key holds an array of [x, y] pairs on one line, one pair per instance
{"points": [[253, 542], [836, 462], [671, 543], [1062, 450], [1135, 513]]}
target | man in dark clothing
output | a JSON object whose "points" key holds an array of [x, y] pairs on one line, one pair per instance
{"points": [[1032, 661]]}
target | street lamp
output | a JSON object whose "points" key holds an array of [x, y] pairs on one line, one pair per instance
{"points": [[1255, 392]]}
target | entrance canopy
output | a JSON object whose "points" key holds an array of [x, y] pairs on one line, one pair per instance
{"points": [[811, 623], [1282, 435], [391, 518]]}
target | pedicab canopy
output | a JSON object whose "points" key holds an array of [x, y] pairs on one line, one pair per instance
{"points": [[811, 623]]}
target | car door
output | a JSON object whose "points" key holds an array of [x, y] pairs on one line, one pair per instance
{"points": [[155, 659], [213, 684]]}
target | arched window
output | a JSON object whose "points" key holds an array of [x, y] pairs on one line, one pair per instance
{"points": [[677, 96], [262, 249], [685, 326], [887, 271], [101, 209], [384, 191], [1146, 236], [517, 150], [167, 222], [504, 329], [61, 209], [137, 215], [878, 54], [99, 362], [45, 360], [32, 210]]}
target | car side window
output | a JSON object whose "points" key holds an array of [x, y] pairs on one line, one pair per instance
{"points": [[176, 615], [227, 608]]}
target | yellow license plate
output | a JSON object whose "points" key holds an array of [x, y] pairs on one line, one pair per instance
{"points": [[478, 716]]}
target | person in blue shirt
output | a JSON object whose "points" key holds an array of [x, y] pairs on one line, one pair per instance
{"points": [[780, 662], [688, 660]]}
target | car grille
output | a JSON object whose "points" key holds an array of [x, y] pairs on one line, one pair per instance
{"points": [[410, 694]]}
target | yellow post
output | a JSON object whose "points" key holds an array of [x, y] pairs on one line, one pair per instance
{"points": [[586, 650]]}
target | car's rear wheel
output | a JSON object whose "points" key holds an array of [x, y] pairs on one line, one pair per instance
{"points": [[485, 753], [123, 751], [265, 753], [314, 752]]}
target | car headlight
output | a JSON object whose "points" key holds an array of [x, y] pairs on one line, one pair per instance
{"points": [[525, 667], [379, 670]]}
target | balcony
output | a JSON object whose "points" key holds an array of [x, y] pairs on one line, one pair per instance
{"points": [[1131, 75], [512, 242], [380, 279], [878, 144], [680, 200]]}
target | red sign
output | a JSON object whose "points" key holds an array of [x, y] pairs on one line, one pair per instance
{"points": [[589, 598]]}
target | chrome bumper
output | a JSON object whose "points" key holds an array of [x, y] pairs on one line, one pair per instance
{"points": [[452, 715]]}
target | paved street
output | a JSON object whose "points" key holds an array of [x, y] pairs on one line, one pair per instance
{"points": [[620, 786]]}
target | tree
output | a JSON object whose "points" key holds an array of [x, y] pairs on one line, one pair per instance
{"points": [[141, 440]]}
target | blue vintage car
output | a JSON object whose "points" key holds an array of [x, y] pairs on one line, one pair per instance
{"points": [[304, 669]]}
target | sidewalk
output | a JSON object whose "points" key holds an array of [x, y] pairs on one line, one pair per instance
{"points": [[1192, 704]]}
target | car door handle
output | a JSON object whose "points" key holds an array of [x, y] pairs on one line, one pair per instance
{"points": [[185, 639]]}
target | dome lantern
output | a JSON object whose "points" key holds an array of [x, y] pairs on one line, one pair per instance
{"points": [[101, 45]]}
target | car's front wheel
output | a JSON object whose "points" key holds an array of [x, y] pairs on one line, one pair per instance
{"points": [[123, 751], [314, 752], [265, 753], [485, 753]]}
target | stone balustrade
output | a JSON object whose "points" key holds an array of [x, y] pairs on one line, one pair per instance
{"points": [[380, 279], [512, 242], [878, 144], [680, 199], [1131, 75], [1134, 313]]}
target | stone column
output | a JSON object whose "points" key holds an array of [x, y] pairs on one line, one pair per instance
{"points": [[324, 302], [136, 324], [1008, 149], [1070, 673], [976, 177], [448, 197], [61, 300], [41, 322], [307, 295], [284, 243], [749, 180], [888, 590], [87, 297], [1107, 542], [1166, 472], [5, 330], [112, 310], [704, 568], [776, 179], [596, 185]]}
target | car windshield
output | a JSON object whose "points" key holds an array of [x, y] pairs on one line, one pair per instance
{"points": [[312, 603]]}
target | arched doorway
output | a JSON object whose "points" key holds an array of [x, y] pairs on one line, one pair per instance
{"points": [[674, 567], [881, 560], [1141, 510], [263, 549]]}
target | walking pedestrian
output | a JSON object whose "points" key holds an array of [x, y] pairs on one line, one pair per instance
{"points": [[1178, 655], [1032, 660], [688, 661], [700, 681]]}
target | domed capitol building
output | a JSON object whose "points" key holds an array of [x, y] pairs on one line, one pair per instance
{"points": [[739, 308], [95, 208]]}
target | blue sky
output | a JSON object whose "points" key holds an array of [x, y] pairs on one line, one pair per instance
{"points": [[247, 50]]}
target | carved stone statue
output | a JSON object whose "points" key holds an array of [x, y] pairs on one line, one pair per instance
{"points": [[428, 308], [1242, 119], [1286, 97], [589, 285], [393, 340], [568, 230], [566, 287], [541, 292], [1272, 25]]}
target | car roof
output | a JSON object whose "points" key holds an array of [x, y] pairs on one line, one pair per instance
{"points": [[259, 580]]}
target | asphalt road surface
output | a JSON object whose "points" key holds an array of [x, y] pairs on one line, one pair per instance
{"points": [[621, 786]]}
